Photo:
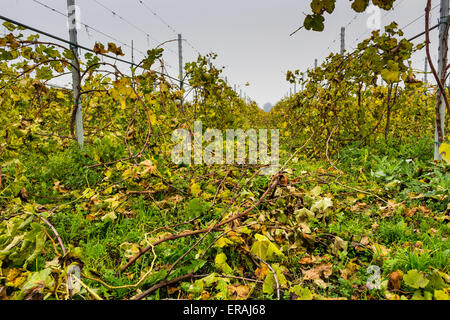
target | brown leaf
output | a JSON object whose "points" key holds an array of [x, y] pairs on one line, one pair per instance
{"points": [[359, 206], [316, 272], [410, 212], [425, 211], [23, 195], [283, 180], [306, 260], [3, 293], [395, 280], [99, 48], [411, 79], [365, 240], [172, 290], [238, 291]]}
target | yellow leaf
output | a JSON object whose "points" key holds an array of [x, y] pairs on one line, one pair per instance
{"points": [[152, 117], [60, 95], [108, 191], [223, 242], [195, 189], [221, 264], [390, 76], [123, 103], [16, 277]]}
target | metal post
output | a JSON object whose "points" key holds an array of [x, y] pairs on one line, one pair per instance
{"points": [[180, 60], [342, 41], [315, 63], [426, 70], [443, 37], [72, 15]]}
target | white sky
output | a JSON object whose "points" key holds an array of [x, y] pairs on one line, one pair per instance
{"points": [[251, 37]]}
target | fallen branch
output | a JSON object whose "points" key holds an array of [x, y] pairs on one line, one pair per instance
{"points": [[273, 184], [161, 285], [230, 277], [61, 244], [271, 269]]}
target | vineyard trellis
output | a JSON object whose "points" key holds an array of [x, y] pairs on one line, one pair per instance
{"points": [[356, 188]]}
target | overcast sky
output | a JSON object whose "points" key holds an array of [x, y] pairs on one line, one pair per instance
{"points": [[251, 37]]}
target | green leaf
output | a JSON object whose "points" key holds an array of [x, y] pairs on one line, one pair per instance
{"points": [[195, 208], [320, 6], [9, 26], [39, 279], [360, 5], [390, 76], [314, 22], [152, 56], [415, 279], [418, 295], [301, 293], [197, 264], [384, 4]]}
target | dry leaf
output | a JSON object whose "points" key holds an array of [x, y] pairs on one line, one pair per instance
{"points": [[238, 292], [318, 271], [395, 280]]}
